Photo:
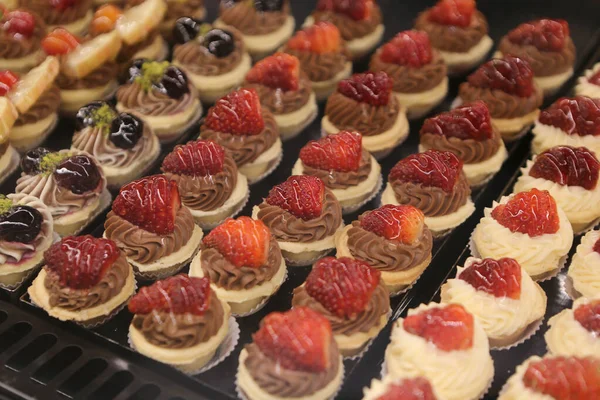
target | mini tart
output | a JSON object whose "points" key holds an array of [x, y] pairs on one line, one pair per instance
{"points": [[584, 273], [585, 86], [20, 54], [75, 18], [411, 355], [505, 320], [263, 32], [18, 260], [379, 388]]}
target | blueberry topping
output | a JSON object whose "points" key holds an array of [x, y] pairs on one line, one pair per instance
{"points": [[20, 224], [186, 29], [97, 113], [30, 163], [174, 83], [126, 130], [268, 5], [77, 173], [219, 42]]}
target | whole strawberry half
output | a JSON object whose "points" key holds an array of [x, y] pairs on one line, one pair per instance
{"points": [[279, 71], [588, 315], [471, 121], [81, 261], [399, 223], [150, 203], [371, 88], [578, 115], [544, 34], [340, 152], [8, 79], [510, 74], [19, 22], [300, 195], [298, 339], [179, 294], [453, 12], [238, 113], [533, 213], [565, 378], [411, 48], [500, 278], [431, 168], [567, 166], [322, 37], [195, 158], [448, 327], [358, 10], [409, 389]]}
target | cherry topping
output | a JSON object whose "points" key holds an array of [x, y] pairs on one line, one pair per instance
{"points": [[567, 166], [30, 163], [78, 173], [94, 113], [126, 130], [219, 43], [161, 76], [186, 29], [8, 79], [20, 224], [579, 115], [544, 34], [453, 12]]}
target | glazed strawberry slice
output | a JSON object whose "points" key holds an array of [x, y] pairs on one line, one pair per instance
{"points": [[567, 166], [343, 286], [533, 213], [322, 37], [62, 5], [431, 168], [340, 152], [544, 34], [8, 79], [59, 41], [238, 113], [453, 12], [448, 327], [409, 389], [510, 74], [150, 203], [195, 158], [371, 88], [588, 315], [19, 23], [279, 71], [105, 19], [80, 262], [565, 378], [500, 278], [178, 294], [471, 121], [411, 48], [298, 339], [402, 223], [300, 195], [596, 247], [595, 79], [358, 10], [578, 115]]}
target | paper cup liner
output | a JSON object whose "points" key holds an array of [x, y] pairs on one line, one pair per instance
{"points": [[371, 196], [526, 335], [263, 303], [12, 166], [162, 273], [269, 170], [410, 285], [236, 211], [369, 342], [569, 288], [306, 263], [105, 200]]}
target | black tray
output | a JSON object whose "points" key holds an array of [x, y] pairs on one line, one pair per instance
{"points": [[45, 358]]}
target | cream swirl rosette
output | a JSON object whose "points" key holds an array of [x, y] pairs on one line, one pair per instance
{"points": [[548, 136], [584, 271], [585, 87]]}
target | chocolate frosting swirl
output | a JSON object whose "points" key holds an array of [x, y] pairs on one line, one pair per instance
{"points": [[452, 38], [207, 193], [501, 104], [342, 180], [286, 227], [409, 79], [246, 148], [432, 200], [543, 63], [54, 16], [229, 277], [109, 286], [99, 77], [320, 67], [152, 102], [284, 383], [283, 102], [46, 105], [245, 18], [146, 247], [470, 151], [378, 306], [198, 60], [350, 115], [349, 28], [12, 47], [129, 50], [180, 331]]}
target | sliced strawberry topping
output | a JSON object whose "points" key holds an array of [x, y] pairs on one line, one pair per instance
{"points": [[596, 247], [105, 19], [238, 113], [409, 389], [322, 37], [300, 195], [399, 223], [339, 152], [279, 71], [567, 166], [595, 79], [471, 121], [358, 10], [448, 327], [298, 339], [588, 315], [62, 5], [500, 278], [179, 294], [195, 158], [578, 115], [510, 74], [565, 378], [18, 22], [343, 286], [150, 203], [411, 48], [533, 213], [59, 41], [7, 81], [81, 261], [371, 88], [431, 168], [453, 12], [544, 34]]}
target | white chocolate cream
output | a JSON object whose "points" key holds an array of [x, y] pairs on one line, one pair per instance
{"points": [[584, 87], [584, 271], [547, 136]]}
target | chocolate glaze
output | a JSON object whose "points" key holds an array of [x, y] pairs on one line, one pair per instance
{"points": [[451, 38], [244, 17], [46, 105], [501, 104], [11, 47], [283, 102], [54, 16], [320, 67], [152, 102], [470, 151], [342, 180], [349, 28], [198, 60], [99, 77], [543, 63]]}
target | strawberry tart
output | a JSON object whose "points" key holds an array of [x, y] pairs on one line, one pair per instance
{"points": [[418, 72], [284, 90], [304, 216], [147, 221], [72, 15], [405, 388], [584, 273], [344, 166], [351, 295], [209, 182], [392, 239], [589, 83], [434, 183], [528, 227], [243, 262], [247, 131], [21, 33], [293, 355], [445, 344]]}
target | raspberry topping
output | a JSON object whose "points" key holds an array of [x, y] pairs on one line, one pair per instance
{"points": [[18, 23], [195, 158], [471, 121], [533, 213], [279, 71], [544, 34], [401, 223], [565, 378], [411, 48], [595, 79], [8, 79], [238, 113], [358, 10], [409, 389], [510, 74], [300, 195], [588, 315], [340, 152], [567, 166], [500, 278], [59, 41], [453, 12], [371, 88], [105, 19], [431, 168], [322, 37], [578, 115]]}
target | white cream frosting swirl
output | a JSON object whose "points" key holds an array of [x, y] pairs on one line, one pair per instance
{"points": [[379, 388], [585, 266], [547, 136], [515, 389], [584, 87]]}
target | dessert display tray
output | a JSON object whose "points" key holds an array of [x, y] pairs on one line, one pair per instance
{"points": [[44, 358]]}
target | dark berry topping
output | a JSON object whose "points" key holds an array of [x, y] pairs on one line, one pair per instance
{"points": [[77, 173], [30, 163], [219, 42], [126, 130], [268, 5], [19, 223], [98, 113], [161, 76], [186, 29], [174, 82], [135, 69]]}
